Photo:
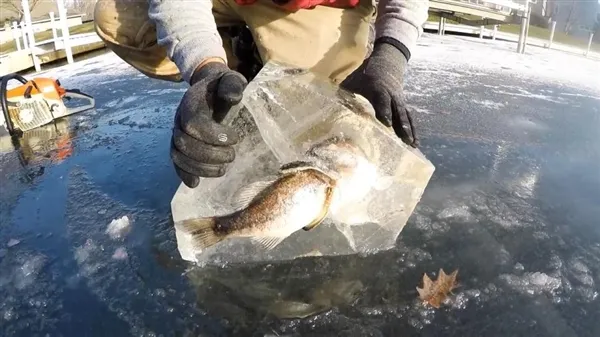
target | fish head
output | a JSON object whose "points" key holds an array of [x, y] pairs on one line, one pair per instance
{"points": [[339, 154]]}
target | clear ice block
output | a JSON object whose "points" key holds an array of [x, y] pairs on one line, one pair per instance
{"points": [[285, 111]]}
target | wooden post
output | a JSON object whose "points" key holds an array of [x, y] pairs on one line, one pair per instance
{"points": [[16, 35], [527, 26], [54, 33], [494, 32], [24, 35], [444, 27], [440, 25], [29, 29], [520, 48], [62, 13], [481, 29], [589, 44], [551, 34]]}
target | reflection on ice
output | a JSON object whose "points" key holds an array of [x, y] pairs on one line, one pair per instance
{"points": [[132, 289]]}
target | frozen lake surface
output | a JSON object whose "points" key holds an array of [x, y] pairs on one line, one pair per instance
{"points": [[87, 246]]}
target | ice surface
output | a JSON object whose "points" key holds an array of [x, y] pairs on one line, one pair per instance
{"points": [[286, 111]]}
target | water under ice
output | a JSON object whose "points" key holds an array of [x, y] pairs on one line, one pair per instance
{"points": [[286, 111]]}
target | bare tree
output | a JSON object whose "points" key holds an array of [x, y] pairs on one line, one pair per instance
{"points": [[85, 7], [570, 23], [16, 7]]}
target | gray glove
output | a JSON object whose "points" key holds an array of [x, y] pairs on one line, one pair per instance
{"points": [[380, 80], [200, 146]]}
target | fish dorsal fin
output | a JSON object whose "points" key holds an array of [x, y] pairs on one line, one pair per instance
{"points": [[246, 194], [268, 242]]}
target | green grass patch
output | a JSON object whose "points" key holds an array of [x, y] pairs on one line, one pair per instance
{"points": [[534, 31], [11, 46], [434, 17], [544, 34]]}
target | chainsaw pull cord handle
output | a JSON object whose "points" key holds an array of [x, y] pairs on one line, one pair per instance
{"points": [[27, 93], [28, 90], [4, 99]]}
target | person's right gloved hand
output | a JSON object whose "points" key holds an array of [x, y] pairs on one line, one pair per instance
{"points": [[200, 146]]}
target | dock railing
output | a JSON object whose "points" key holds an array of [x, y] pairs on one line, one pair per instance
{"points": [[28, 51]]}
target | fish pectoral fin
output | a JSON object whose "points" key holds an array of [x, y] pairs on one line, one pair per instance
{"points": [[383, 183], [267, 242], [246, 194], [296, 166], [202, 232], [299, 166], [313, 224], [324, 211]]}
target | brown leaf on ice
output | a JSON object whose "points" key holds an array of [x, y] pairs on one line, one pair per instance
{"points": [[436, 292]]}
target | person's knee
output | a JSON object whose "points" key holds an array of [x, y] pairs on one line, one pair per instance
{"points": [[124, 23]]}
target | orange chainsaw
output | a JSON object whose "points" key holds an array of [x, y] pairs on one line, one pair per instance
{"points": [[37, 102]]}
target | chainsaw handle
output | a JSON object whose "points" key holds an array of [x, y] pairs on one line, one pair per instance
{"points": [[4, 100], [14, 76]]}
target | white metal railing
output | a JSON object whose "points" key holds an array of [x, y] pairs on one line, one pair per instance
{"points": [[511, 4], [503, 6], [24, 32]]}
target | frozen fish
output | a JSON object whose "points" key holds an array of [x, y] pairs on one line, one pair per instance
{"points": [[269, 211], [333, 174]]}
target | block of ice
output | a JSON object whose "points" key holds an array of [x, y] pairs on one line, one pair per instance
{"points": [[285, 111]]}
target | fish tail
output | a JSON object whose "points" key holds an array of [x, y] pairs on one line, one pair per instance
{"points": [[202, 231]]}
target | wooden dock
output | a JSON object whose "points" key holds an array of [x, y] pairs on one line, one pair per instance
{"points": [[32, 54], [21, 60]]}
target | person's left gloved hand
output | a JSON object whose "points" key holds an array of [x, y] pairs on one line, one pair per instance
{"points": [[380, 80]]}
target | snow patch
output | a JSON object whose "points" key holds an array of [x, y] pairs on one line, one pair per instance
{"points": [[519, 267], [119, 103], [159, 92], [532, 283], [12, 243], [490, 104], [477, 56], [26, 274], [525, 123], [462, 299], [580, 95], [461, 212], [118, 228], [120, 253]]}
